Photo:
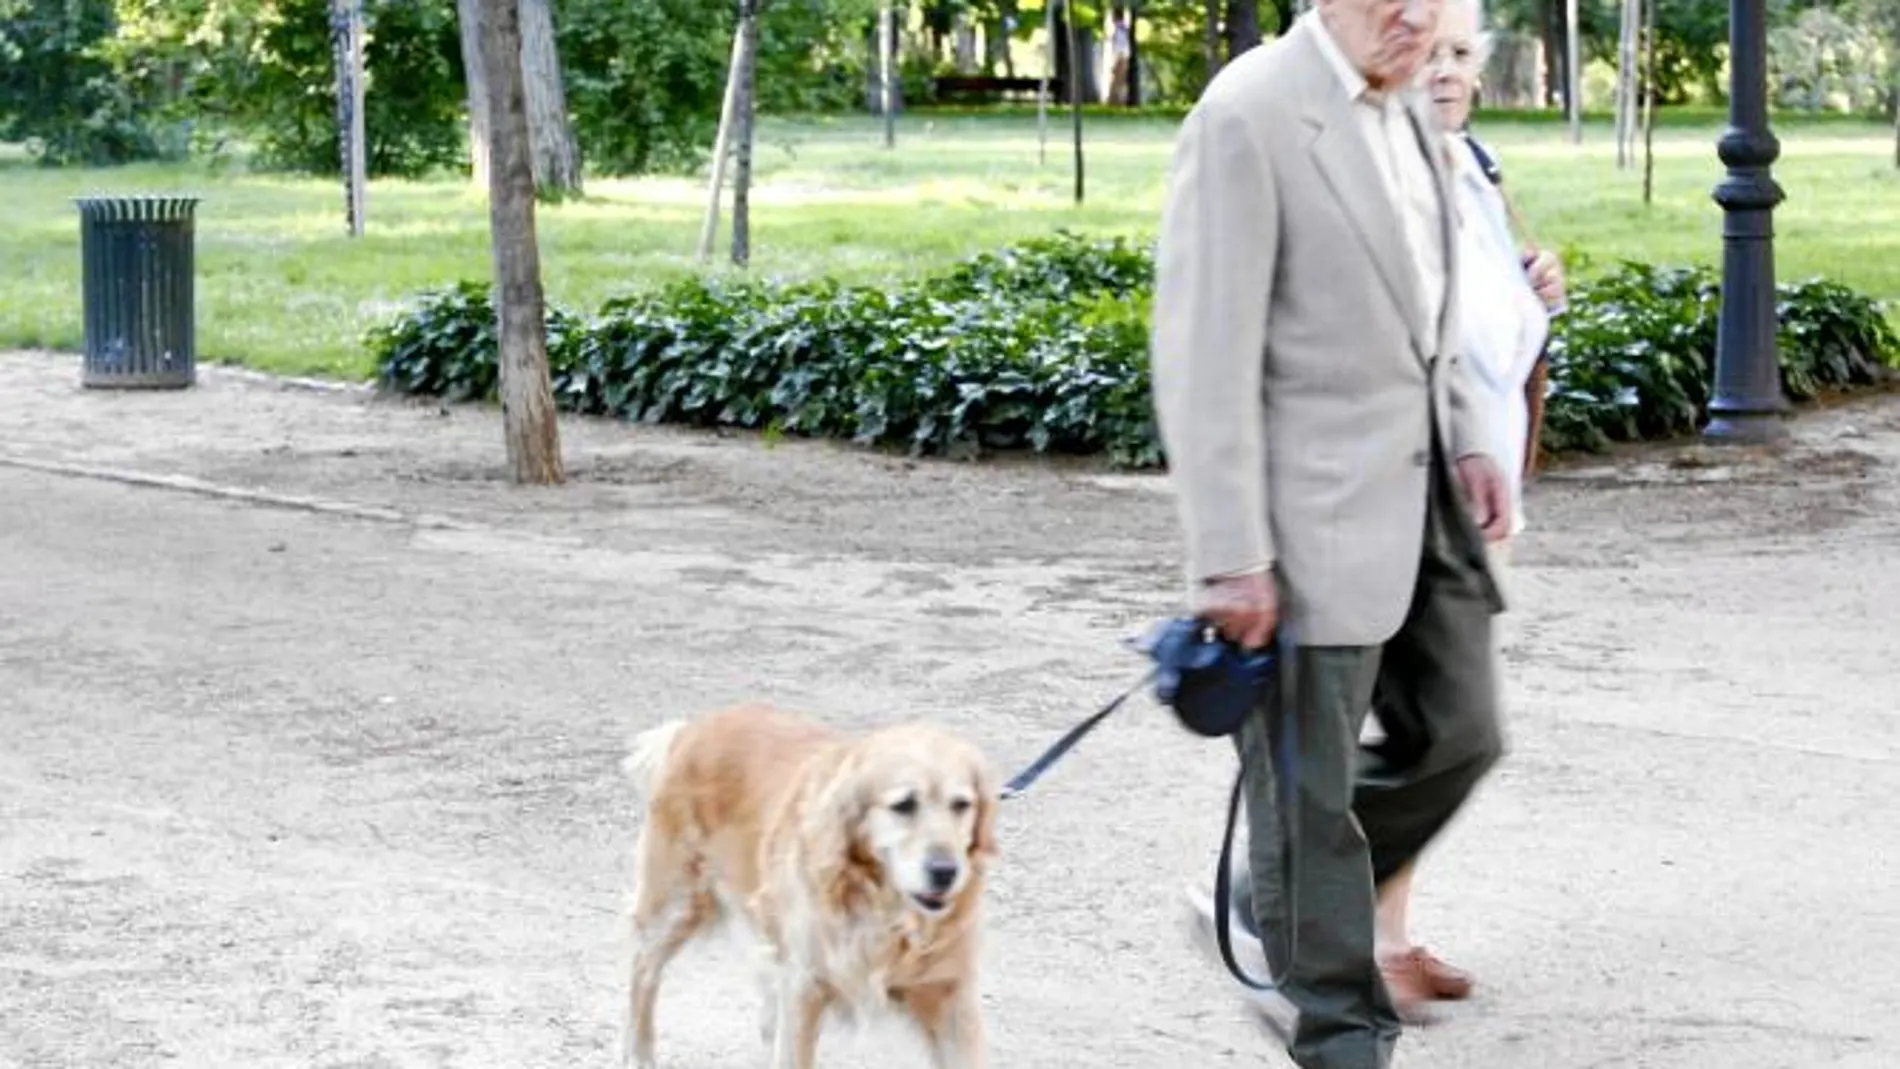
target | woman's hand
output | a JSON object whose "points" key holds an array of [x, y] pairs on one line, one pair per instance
{"points": [[1546, 273]]}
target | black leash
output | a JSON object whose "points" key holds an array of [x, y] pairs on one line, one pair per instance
{"points": [[1286, 756], [1063, 745], [1286, 759]]}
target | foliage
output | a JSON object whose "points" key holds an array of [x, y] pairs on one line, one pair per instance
{"points": [[1691, 39], [107, 81], [645, 80], [1824, 61], [60, 90], [1043, 346], [1633, 357], [275, 81], [973, 367]]}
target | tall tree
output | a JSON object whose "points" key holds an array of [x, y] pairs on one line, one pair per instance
{"points": [[1243, 26], [742, 150], [557, 156], [468, 16], [1629, 28], [996, 35], [1210, 37], [527, 397], [346, 37], [556, 152]]}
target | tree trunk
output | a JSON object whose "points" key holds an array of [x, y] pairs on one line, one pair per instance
{"points": [[1076, 90], [965, 38], [1133, 88], [557, 157], [1012, 18], [468, 15], [1649, 99], [1243, 26], [1573, 70], [1548, 23], [1210, 38], [346, 37], [722, 142], [1064, 51], [1075, 48], [742, 152], [527, 397], [996, 46], [874, 63], [1630, 28]]}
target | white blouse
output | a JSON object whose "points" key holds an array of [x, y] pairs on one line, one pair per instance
{"points": [[1502, 323]]}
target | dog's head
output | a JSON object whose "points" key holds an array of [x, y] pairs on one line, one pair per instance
{"points": [[916, 806]]}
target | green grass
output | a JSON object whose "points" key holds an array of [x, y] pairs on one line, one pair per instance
{"points": [[282, 287]]}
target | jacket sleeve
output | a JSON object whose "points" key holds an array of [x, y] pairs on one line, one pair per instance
{"points": [[1214, 272], [1470, 427]]}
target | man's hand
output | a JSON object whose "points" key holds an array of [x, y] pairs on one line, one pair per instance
{"points": [[1546, 273], [1244, 607], [1484, 488]]}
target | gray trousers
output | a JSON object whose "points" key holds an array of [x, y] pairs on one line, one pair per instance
{"points": [[1362, 814]]}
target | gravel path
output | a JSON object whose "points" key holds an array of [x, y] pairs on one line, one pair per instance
{"points": [[311, 725]]}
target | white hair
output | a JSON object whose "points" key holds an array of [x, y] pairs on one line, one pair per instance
{"points": [[1482, 36]]}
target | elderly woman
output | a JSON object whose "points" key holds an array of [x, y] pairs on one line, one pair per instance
{"points": [[1507, 294]]}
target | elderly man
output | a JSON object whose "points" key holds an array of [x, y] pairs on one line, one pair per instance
{"points": [[1331, 473]]}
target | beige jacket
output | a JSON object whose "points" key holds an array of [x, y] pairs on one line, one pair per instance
{"points": [[1296, 377]]}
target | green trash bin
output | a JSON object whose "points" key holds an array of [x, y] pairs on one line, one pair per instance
{"points": [[136, 279]]}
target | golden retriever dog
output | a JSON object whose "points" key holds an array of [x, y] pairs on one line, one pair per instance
{"points": [[857, 861]]}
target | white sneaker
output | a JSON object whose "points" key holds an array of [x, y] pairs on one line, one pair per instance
{"points": [[1273, 1008]]}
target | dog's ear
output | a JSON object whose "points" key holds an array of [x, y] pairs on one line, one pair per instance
{"points": [[834, 818], [983, 839]]}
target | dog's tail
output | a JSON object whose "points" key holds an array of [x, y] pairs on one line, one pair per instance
{"points": [[648, 754]]}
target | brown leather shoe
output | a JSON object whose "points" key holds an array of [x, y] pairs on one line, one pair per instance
{"points": [[1420, 974], [1406, 984], [1447, 982]]}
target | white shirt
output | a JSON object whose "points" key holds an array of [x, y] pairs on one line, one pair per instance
{"points": [[1398, 150], [1502, 323]]}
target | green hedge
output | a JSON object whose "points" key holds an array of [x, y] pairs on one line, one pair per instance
{"points": [[1043, 346]]}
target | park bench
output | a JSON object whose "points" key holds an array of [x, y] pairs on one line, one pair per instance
{"points": [[984, 88]]}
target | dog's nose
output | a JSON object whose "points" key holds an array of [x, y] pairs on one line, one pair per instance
{"points": [[941, 872]]}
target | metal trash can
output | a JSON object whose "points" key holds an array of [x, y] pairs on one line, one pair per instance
{"points": [[136, 279]]}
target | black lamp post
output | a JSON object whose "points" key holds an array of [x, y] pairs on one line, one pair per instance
{"points": [[1748, 400]]}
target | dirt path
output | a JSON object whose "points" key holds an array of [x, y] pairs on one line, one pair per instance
{"points": [[333, 785]]}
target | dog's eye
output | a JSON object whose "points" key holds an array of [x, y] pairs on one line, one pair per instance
{"points": [[960, 806], [905, 806]]}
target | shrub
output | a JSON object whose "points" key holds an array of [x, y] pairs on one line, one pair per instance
{"points": [[1043, 346], [1634, 357]]}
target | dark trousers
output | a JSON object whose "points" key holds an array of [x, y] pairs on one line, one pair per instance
{"points": [[1359, 816]]}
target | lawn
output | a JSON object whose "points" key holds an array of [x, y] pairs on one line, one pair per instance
{"points": [[282, 287]]}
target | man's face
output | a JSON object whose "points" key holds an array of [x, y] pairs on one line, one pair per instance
{"points": [[1388, 40]]}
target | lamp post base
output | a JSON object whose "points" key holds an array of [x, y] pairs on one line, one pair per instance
{"points": [[1746, 428]]}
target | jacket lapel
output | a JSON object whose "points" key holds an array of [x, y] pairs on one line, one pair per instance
{"points": [[1345, 162]]}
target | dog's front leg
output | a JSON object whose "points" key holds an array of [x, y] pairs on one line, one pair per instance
{"points": [[801, 1009], [952, 1023]]}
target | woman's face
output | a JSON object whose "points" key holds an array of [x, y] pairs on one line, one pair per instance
{"points": [[1452, 71]]}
